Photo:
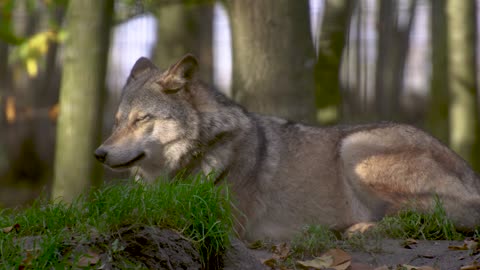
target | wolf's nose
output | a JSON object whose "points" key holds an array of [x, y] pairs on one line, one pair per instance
{"points": [[100, 154]]}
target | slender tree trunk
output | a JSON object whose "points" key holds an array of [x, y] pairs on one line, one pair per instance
{"points": [[48, 93], [393, 46], [81, 94], [437, 115], [5, 89], [185, 28], [331, 44], [273, 57], [464, 126], [5, 81]]}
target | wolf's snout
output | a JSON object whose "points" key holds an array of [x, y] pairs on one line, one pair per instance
{"points": [[101, 154]]}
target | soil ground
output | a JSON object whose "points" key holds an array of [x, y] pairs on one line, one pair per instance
{"points": [[150, 247], [396, 254]]}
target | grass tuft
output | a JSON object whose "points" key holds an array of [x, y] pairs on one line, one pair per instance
{"points": [[313, 239], [433, 225], [193, 206]]}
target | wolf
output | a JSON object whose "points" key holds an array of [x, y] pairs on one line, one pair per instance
{"points": [[283, 175]]}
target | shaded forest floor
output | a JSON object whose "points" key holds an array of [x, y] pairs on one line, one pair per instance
{"points": [[379, 254]]}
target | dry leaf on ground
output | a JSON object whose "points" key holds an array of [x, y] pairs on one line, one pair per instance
{"points": [[472, 244], [334, 259], [409, 243], [474, 266], [468, 244], [270, 262], [9, 229], [91, 258], [462, 247], [321, 262], [361, 227], [280, 253]]}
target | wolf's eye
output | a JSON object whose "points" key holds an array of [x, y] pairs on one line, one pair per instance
{"points": [[142, 118]]}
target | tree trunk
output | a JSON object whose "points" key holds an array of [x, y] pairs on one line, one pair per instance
{"points": [[437, 115], [464, 126], [5, 89], [185, 28], [393, 46], [81, 94], [273, 57], [5, 81], [331, 44]]}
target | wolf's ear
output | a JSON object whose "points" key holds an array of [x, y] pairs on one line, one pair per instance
{"points": [[185, 68], [179, 74], [142, 65]]}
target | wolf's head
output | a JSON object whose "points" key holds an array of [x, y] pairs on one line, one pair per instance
{"points": [[157, 122]]}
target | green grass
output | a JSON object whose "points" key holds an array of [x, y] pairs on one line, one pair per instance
{"points": [[313, 239], [434, 225], [194, 206]]}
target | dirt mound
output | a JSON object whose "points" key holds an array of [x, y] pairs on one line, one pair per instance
{"points": [[154, 248], [134, 246], [151, 247]]}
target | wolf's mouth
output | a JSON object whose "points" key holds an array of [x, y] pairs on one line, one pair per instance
{"points": [[129, 163]]}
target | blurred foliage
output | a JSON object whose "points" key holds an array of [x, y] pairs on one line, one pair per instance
{"points": [[6, 25], [29, 50], [35, 47]]}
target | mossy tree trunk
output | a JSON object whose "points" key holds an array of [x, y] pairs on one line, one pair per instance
{"points": [[273, 57], [437, 114], [464, 126], [185, 28], [81, 96], [331, 43]]}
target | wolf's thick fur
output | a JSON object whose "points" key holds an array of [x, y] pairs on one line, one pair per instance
{"points": [[283, 174]]}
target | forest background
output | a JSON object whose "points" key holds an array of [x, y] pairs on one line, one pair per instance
{"points": [[63, 64]]}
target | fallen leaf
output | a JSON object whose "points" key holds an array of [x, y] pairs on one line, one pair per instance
{"points": [[9, 229], [361, 227], [339, 256], [342, 266], [409, 243], [91, 258], [472, 245], [270, 262], [281, 251], [256, 245], [333, 259], [321, 262], [463, 247], [473, 266]]}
